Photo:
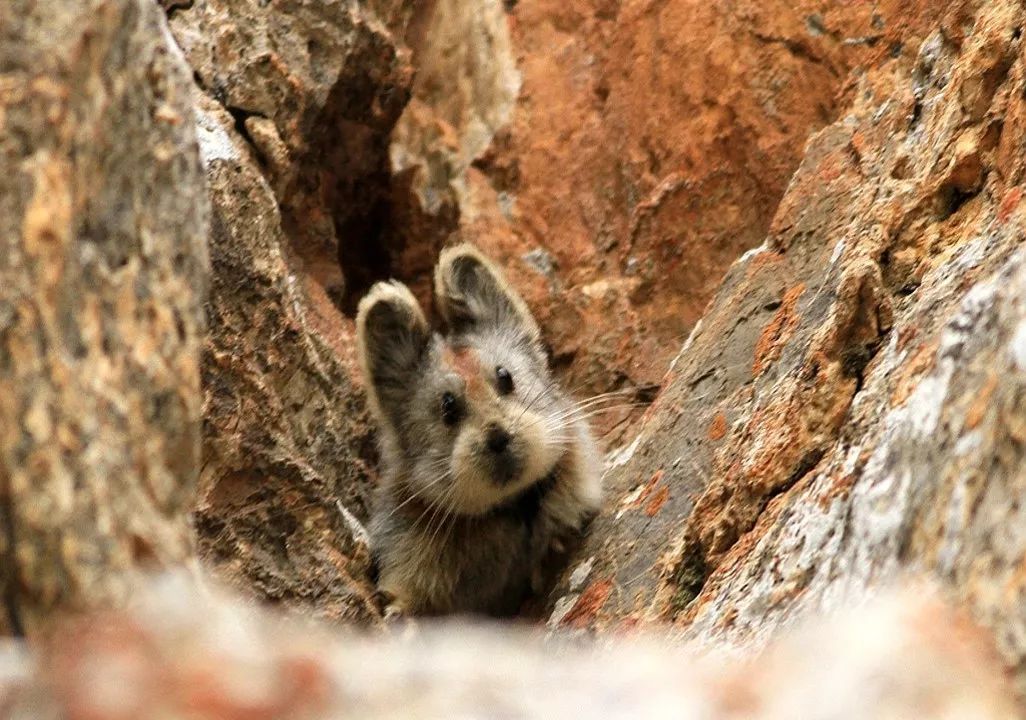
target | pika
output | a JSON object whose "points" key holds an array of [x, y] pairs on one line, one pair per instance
{"points": [[488, 468]]}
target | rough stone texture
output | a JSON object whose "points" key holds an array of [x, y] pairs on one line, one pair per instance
{"points": [[181, 654], [286, 433], [103, 223], [648, 148], [850, 407], [315, 86], [849, 410], [298, 101], [465, 92]]}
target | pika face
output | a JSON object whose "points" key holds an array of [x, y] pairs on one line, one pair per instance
{"points": [[479, 425], [470, 423]]}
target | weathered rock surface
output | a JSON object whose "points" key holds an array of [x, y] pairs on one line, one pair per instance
{"points": [[103, 224], [315, 87], [298, 101], [180, 654], [850, 408], [648, 148], [285, 432]]}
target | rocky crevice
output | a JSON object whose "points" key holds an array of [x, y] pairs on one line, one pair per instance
{"points": [[845, 412]]}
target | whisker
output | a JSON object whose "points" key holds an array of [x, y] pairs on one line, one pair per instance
{"points": [[597, 402], [611, 393], [527, 406], [444, 505], [445, 540], [446, 514], [584, 413], [431, 508], [415, 495]]}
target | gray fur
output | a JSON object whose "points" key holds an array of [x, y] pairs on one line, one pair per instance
{"points": [[457, 526]]}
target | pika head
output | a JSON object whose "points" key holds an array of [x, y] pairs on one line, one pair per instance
{"points": [[469, 419], [488, 469]]}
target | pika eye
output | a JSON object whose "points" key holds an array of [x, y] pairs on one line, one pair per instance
{"points": [[450, 409], [503, 380]]}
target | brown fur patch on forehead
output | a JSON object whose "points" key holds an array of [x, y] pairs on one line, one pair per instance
{"points": [[466, 363]]}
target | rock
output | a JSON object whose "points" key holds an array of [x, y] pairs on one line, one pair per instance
{"points": [[848, 411], [178, 653], [297, 100], [465, 92], [648, 147], [316, 87], [285, 432], [103, 270]]}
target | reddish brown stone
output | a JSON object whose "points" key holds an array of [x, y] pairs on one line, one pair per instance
{"points": [[649, 146], [880, 429], [588, 604], [718, 427], [658, 500]]}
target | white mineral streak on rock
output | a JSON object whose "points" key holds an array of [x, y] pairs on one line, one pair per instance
{"points": [[214, 142]]}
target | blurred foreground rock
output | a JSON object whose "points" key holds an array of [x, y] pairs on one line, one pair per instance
{"points": [[180, 654], [103, 264]]}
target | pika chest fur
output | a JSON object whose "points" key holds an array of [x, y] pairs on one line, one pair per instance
{"points": [[488, 468]]}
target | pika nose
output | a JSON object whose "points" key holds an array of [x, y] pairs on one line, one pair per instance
{"points": [[498, 439]]}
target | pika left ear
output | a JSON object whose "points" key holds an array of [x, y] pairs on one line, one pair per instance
{"points": [[473, 294], [392, 336]]}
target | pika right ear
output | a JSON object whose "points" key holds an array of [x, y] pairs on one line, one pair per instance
{"points": [[392, 335], [472, 293]]}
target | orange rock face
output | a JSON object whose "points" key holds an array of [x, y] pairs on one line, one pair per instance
{"points": [[649, 146], [850, 409]]}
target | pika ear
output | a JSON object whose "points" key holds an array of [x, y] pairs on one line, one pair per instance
{"points": [[472, 293], [393, 336]]}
